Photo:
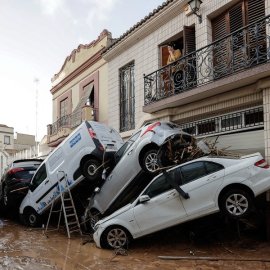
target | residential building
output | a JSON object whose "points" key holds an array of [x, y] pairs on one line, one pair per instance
{"points": [[219, 86], [6, 146], [24, 141], [79, 89]]}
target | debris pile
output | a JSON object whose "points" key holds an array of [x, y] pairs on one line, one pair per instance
{"points": [[182, 148]]}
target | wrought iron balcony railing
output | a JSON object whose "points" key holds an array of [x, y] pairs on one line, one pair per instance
{"points": [[240, 50]]}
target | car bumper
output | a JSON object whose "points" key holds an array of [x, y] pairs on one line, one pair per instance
{"points": [[96, 237]]}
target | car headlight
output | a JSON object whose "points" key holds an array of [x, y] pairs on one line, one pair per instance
{"points": [[96, 227]]}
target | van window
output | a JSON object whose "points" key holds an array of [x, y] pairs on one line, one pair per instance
{"points": [[39, 177]]}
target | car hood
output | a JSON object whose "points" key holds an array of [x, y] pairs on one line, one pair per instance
{"points": [[116, 213]]}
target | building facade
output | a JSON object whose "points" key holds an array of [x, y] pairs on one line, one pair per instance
{"points": [[79, 89], [6, 146], [219, 87]]}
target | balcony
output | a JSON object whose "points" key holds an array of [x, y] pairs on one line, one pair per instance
{"points": [[236, 60], [60, 129]]}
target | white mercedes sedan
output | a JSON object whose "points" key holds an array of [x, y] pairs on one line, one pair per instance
{"points": [[185, 192]]}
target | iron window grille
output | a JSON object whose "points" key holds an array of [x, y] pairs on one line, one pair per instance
{"points": [[127, 97]]}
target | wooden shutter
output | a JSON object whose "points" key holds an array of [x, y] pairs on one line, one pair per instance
{"points": [[236, 21], [190, 70], [219, 27], [255, 10], [257, 48], [164, 55], [189, 39]]}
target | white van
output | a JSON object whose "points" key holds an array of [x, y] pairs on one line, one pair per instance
{"points": [[80, 156]]}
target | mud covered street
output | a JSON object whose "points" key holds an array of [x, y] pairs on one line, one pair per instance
{"points": [[25, 248]]}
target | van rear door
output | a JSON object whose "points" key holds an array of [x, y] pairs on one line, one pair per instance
{"points": [[107, 136]]}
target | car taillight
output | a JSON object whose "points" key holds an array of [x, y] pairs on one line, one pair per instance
{"points": [[15, 170], [262, 164], [92, 133], [151, 127]]}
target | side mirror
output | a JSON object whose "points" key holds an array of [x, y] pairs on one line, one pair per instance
{"points": [[30, 186], [144, 198], [97, 190]]}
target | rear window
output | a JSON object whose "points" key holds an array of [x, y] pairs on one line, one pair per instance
{"points": [[25, 175]]}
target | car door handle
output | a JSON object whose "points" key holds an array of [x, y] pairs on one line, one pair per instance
{"points": [[130, 152], [46, 182], [212, 177], [172, 194]]}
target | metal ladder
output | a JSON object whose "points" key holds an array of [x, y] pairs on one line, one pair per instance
{"points": [[67, 208]]}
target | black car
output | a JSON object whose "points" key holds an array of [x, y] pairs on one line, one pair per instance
{"points": [[13, 185]]}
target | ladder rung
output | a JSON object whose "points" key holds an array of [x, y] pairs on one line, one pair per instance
{"points": [[78, 230], [71, 215], [71, 223]]}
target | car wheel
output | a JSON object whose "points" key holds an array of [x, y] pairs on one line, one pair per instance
{"points": [[91, 169], [5, 197], [31, 218], [236, 203], [90, 220], [149, 161], [115, 237]]}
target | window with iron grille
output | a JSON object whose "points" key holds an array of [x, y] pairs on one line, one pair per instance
{"points": [[64, 112], [248, 119], [127, 97]]}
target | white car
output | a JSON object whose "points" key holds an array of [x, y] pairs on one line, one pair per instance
{"points": [[136, 165], [185, 192]]}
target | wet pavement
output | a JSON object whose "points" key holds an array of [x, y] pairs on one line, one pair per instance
{"points": [[31, 249]]}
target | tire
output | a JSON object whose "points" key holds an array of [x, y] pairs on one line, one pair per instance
{"points": [[6, 197], [149, 161], [236, 203], [91, 170], [31, 218], [3, 208], [90, 220], [115, 237]]}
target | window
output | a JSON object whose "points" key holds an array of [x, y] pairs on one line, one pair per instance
{"points": [[206, 127], [242, 48], [64, 112], [127, 97], [193, 171], [6, 139], [159, 186], [39, 177], [212, 167], [196, 170], [230, 122], [254, 117]]}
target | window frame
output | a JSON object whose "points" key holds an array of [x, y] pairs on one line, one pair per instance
{"points": [[7, 140], [127, 97]]}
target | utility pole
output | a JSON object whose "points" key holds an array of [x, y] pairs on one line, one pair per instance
{"points": [[36, 81]]}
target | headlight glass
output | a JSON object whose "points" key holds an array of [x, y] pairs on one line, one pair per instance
{"points": [[96, 227]]}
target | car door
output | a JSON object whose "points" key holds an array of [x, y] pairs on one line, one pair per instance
{"points": [[164, 209], [40, 187], [201, 181]]}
